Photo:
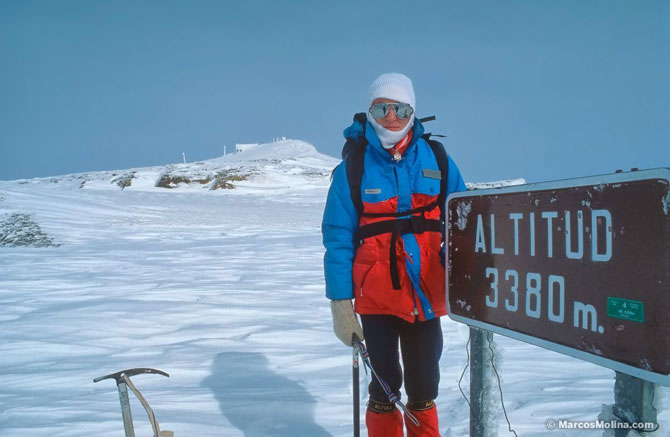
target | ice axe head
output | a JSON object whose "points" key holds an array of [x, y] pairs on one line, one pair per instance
{"points": [[129, 373]]}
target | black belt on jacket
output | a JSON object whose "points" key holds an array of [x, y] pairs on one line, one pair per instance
{"points": [[396, 227]]}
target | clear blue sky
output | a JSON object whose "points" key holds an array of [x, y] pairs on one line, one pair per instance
{"points": [[537, 89]]}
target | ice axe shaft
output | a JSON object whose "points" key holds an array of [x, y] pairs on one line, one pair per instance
{"points": [[125, 409]]}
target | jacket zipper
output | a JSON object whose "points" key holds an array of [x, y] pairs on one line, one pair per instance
{"points": [[415, 313]]}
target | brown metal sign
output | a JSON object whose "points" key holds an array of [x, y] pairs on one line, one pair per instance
{"points": [[580, 266]]}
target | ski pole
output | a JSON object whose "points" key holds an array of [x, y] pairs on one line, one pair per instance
{"points": [[365, 356], [357, 397]]}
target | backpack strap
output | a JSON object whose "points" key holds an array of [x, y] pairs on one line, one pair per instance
{"points": [[355, 149], [353, 153], [361, 118], [354, 167], [443, 164]]}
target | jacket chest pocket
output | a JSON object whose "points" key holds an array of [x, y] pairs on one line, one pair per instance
{"points": [[427, 184]]}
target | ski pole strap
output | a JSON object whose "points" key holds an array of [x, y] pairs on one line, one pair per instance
{"points": [[392, 397]]}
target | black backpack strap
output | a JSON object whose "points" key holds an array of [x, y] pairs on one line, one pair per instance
{"points": [[362, 119], [354, 167], [348, 145], [353, 153], [396, 227], [443, 164]]}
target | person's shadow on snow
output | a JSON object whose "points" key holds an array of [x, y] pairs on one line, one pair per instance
{"points": [[258, 401]]}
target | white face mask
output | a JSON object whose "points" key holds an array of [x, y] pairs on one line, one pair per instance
{"points": [[389, 138]]}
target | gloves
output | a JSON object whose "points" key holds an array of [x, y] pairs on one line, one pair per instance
{"points": [[345, 323]]}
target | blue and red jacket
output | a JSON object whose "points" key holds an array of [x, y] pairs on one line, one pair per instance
{"points": [[363, 273]]}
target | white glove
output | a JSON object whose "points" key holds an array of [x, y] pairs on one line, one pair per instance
{"points": [[345, 323]]}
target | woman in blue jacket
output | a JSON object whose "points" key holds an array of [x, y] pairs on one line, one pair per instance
{"points": [[383, 229]]}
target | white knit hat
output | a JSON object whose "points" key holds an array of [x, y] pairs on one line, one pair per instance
{"points": [[394, 86], [398, 87]]}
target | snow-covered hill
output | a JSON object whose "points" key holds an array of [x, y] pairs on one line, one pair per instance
{"points": [[279, 165], [223, 289]]}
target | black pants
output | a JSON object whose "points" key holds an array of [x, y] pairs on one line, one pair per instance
{"points": [[421, 346]]}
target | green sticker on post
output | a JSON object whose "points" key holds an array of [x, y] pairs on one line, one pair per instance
{"points": [[625, 309]]}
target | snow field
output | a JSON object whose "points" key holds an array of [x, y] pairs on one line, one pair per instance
{"points": [[224, 291]]}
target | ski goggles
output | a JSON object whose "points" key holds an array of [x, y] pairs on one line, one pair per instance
{"points": [[381, 110]]}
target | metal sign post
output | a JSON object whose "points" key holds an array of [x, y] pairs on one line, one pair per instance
{"points": [[633, 401], [482, 395]]}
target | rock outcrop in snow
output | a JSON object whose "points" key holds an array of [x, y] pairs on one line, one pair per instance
{"points": [[21, 230]]}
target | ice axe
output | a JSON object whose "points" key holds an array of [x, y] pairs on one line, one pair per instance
{"points": [[123, 382]]}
